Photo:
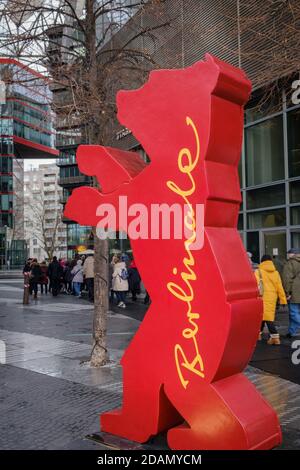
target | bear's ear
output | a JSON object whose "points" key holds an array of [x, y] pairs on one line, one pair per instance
{"points": [[112, 167], [156, 112]]}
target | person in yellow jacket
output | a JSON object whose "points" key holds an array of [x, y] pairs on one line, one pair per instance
{"points": [[267, 277]]}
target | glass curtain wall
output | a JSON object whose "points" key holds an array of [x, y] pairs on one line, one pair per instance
{"points": [[269, 220]]}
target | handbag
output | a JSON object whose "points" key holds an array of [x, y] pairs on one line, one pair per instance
{"points": [[260, 284]]}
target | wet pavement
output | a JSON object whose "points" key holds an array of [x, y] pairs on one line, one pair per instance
{"points": [[50, 398]]}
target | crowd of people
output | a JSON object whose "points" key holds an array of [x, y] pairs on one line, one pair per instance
{"points": [[279, 286], [76, 276], [67, 276]]}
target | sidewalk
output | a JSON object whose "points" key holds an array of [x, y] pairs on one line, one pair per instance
{"points": [[50, 398], [11, 274]]}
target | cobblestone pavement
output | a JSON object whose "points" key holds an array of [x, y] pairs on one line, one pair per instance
{"points": [[50, 398]]}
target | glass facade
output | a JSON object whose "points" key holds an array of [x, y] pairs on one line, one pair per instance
{"points": [[25, 113], [269, 220], [78, 236], [293, 128], [264, 152]]}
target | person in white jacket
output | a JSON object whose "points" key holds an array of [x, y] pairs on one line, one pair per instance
{"points": [[77, 278], [88, 273], [120, 281]]}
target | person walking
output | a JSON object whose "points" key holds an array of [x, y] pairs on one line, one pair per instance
{"points": [[134, 280], [44, 277], [27, 266], [279, 264], [88, 273], [55, 273], [67, 278], [269, 281], [291, 283], [77, 273], [120, 281], [35, 276]]}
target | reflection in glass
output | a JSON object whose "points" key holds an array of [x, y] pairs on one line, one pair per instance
{"points": [[295, 239], [264, 152], [261, 106], [265, 219], [253, 245], [295, 215], [295, 191], [293, 126], [240, 222], [266, 197]]}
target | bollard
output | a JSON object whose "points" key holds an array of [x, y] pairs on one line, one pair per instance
{"points": [[26, 289]]}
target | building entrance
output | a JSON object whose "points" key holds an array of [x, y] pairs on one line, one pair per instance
{"points": [[274, 244]]}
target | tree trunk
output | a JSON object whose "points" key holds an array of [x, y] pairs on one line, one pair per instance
{"points": [[99, 355]]}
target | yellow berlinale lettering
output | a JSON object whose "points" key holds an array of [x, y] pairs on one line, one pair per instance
{"points": [[186, 165]]}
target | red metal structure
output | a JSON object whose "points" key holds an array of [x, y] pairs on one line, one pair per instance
{"points": [[183, 369]]}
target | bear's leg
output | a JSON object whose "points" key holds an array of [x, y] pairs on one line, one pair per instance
{"points": [[227, 414], [146, 410]]}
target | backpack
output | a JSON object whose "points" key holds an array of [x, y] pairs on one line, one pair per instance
{"points": [[124, 274]]}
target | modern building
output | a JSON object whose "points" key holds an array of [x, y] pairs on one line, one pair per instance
{"points": [[26, 131], [45, 234], [262, 38], [70, 132]]}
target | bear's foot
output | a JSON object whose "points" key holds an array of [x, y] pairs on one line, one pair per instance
{"points": [[142, 416], [227, 414]]}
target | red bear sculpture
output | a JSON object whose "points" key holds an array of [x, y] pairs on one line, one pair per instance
{"points": [[183, 369]]}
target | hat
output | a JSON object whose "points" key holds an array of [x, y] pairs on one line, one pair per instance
{"points": [[294, 251]]}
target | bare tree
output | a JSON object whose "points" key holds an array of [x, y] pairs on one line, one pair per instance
{"points": [[74, 41], [43, 224], [262, 37]]}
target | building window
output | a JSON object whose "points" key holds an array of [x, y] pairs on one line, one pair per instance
{"points": [[295, 215], [264, 152], [266, 197], [295, 191], [295, 239], [266, 219], [6, 202], [6, 183], [263, 105], [5, 164], [6, 219], [253, 245], [293, 126], [241, 222]]}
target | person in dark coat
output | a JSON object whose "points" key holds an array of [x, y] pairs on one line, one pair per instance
{"points": [[291, 284], [27, 267], [44, 277], [68, 278], [55, 273], [35, 276], [134, 280]]}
